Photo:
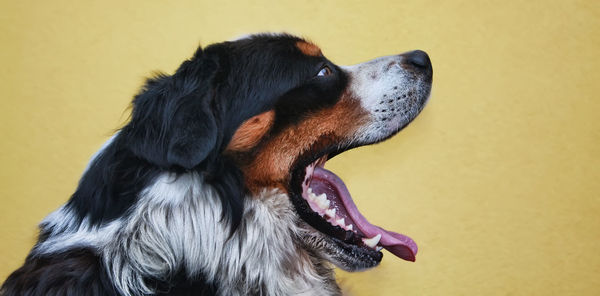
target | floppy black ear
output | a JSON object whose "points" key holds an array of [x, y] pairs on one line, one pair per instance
{"points": [[172, 123]]}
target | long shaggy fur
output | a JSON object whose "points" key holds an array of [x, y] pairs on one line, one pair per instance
{"points": [[176, 227], [160, 210]]}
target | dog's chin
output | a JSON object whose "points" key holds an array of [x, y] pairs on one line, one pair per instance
{"points": [[345, 256]]}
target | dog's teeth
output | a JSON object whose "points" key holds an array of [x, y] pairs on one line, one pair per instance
{"points": [[349, 227], [309, 190], [372, 242], [322, 197], [322, 201], [330, 213], [314, 197], [378, 248], [341, 222]]}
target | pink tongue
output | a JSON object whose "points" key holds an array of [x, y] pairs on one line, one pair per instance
{"points": [[396, 243]]}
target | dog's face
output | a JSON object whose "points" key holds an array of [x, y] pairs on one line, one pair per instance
{"points": [[274, 109]]}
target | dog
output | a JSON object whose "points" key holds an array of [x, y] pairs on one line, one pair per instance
{"points": [[217, 186]]}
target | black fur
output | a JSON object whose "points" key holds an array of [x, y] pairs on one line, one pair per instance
{"points": [[315, 94], [182, 123], [80, 272], [76, 272]]}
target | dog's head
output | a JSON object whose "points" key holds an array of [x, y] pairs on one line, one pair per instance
{"points": [[267, 111]]}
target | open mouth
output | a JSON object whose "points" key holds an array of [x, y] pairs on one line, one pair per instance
{"points": [[323, 201]]}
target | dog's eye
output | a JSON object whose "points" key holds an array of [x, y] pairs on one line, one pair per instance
{"points": [[325, 71]]}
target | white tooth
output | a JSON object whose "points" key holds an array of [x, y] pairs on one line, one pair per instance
{"points": [[341, 222], [309, 190], [320, 204], [378, 248], [322, 201], [322, 196], [349, 227], [372, 242], [330, 213], [312, 196]]}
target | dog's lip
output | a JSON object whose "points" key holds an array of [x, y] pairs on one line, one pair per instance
{"points": [[360, 251]]}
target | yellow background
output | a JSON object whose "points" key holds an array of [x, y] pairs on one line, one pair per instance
{"points": [[497, 180]]}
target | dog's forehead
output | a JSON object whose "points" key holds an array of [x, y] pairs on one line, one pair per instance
{"points": [[279, 43], [262, 37], [270, 65]]}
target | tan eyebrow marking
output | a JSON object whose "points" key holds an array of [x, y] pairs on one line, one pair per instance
{"points": [[309, 49]]}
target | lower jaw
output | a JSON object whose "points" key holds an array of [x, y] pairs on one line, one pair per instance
{"points": [[354, 258], [343, 249]]}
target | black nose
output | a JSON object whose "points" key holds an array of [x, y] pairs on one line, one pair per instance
{"points": [[418, 59]]}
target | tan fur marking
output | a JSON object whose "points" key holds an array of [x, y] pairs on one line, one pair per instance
{"points": [[251, 131], [309, 49], [271, 166]]}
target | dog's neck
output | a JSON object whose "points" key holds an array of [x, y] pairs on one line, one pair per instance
{"points": [[177, 227], [271, 257]]}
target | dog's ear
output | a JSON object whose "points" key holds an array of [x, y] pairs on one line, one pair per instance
{"points": [[172, 122]]}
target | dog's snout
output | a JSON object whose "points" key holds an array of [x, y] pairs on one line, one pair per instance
{"points": [[417, 59]]}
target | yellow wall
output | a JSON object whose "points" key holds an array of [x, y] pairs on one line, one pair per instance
{"points": [[497, 180]]}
